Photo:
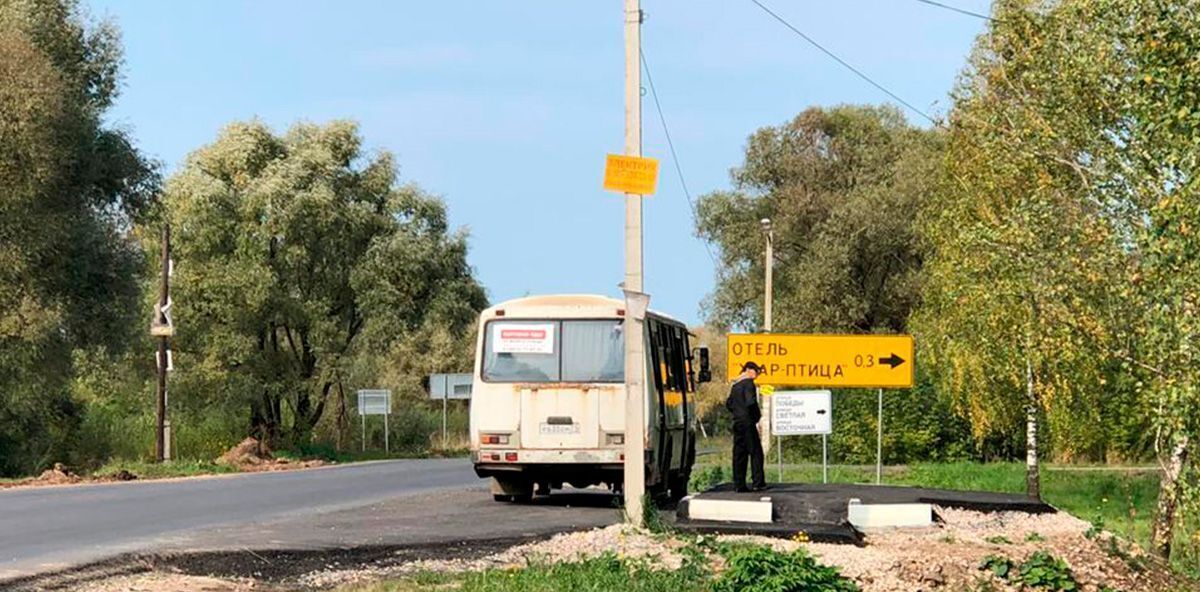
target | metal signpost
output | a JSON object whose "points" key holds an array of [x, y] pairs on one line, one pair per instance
{"points": [[847, 361], [446, 387], [804, 413], [374, 402]]}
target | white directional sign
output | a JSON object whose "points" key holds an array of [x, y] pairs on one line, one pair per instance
{"points": [[374, 402], [801, 413]]}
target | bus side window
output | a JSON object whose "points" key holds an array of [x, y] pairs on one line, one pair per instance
{"points": [[675, 382], [656, 358]]}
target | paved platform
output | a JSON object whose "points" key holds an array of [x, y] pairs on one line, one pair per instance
{"points": [[820, 510]]}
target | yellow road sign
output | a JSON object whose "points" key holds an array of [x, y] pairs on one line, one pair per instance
{"points": [[884, 361], [630, 174]]}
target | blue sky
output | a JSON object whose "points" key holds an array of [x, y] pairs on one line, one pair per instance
{"points": [[506, 109]]}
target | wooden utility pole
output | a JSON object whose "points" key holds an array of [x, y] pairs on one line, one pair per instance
{"points": [[636, 300], [163, 329]]}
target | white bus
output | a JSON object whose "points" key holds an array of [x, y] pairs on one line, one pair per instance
{"points": [[548, 403]]}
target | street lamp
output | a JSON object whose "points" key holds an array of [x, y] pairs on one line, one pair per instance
{"points": [[770, 268]]}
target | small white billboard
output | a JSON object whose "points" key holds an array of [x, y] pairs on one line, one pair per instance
{"points": [[374, 402], [801, 413], [450, 386]]}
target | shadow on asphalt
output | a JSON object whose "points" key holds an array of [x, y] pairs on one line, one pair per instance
{"points": [[578, 499]]}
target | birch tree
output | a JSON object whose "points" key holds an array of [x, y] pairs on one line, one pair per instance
{"points": [[1021, 256]]}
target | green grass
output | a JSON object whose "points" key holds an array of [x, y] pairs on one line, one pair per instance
{"points": [[602, 574], [175, 468], [749, 568]]}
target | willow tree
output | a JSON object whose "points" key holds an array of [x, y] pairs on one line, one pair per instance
{"points": [[70, 187], [1023, 256], [298, 257], [842, 186]]}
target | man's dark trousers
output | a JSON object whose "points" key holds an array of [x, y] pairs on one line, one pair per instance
{"points": [[747, 446]]}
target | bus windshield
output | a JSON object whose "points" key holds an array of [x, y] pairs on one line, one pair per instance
{"points": [[554, 351]]}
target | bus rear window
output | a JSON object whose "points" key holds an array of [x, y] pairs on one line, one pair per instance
{"points": [[554, 351]]}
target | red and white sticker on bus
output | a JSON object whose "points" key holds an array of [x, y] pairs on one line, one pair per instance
{"points": [[511, 338]]}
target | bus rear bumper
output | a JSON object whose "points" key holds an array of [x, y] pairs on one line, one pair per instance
{"points": [[580, 468], [526, 456]]}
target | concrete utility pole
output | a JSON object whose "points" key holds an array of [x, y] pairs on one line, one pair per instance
{"points": [[636, 301], [768, 295], [163, 331]]}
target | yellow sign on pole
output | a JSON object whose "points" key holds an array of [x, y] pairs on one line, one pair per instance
{"points": [[838, 361], [630, 174]]}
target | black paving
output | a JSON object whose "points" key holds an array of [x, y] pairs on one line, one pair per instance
{"points": [[820, 510]]}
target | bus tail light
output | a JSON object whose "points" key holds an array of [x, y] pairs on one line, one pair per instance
{"points": [[614, 439], [494, 456], [510, 456], [493, 439]]}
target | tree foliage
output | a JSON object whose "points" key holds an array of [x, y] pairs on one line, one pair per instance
{"points": [[1023, 254], [1071, 204], [841, 186], [72, 188], [301, 265]]}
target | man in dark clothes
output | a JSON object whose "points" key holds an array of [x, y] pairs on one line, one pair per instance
{"points": [[743, 405]]}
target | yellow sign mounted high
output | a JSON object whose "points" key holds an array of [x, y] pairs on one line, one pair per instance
{"points": [[630, 174], [836, 361]]}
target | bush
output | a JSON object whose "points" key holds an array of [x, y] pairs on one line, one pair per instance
{"points": [[707, 477], [1039, 570], [762, 569]]}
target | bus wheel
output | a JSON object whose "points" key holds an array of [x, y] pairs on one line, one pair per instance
{"points": [[543, 488], [501, 497]]}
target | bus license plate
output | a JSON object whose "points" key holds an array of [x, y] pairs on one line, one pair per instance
{"points": [[559, 429]]}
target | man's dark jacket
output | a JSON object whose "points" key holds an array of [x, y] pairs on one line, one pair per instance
{"points": [[743, 402]]}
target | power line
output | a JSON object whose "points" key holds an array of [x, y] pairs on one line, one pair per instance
{"points": [[859, 73], [674, 155], [957, 9]]}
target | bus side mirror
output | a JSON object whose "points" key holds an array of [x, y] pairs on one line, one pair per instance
{"points": [[705, 373]]}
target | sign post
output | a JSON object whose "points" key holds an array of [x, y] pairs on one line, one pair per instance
{"points": [[879, 442], [801, 413], [446, 387], [375, 402]]}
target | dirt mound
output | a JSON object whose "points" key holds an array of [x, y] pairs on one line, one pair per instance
{"points": [[248, 453], [59, 475], [123, 475]]}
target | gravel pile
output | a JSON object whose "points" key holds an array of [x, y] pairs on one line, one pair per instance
{"points": [[948, 556], [171, 582]]}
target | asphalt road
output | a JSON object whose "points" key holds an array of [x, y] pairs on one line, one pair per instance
{"points": [[388, 503]]}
